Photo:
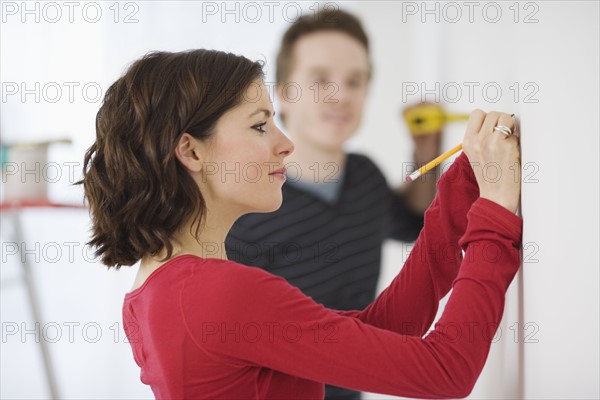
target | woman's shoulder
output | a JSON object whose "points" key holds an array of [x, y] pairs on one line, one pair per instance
{"points": [[228, 287], [233, 272], [192, 268]]}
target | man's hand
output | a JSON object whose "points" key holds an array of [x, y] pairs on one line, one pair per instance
{"points": [[427, 147], [425, 122]]}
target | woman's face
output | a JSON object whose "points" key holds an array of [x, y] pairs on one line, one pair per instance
{"points": [[242, 163]]}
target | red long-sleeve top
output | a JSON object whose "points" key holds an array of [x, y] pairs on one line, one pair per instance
{"points": [[215, 329]]}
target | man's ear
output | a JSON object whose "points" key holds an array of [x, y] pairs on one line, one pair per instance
{"points": [[189, 152]]}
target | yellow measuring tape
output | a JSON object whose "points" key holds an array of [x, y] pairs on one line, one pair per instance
{"points": [[429, 118]]}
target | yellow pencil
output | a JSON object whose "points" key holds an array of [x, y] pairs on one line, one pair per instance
{"points": [[432, 164]]}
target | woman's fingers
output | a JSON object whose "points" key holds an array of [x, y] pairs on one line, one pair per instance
{"points": [[491, 121], [507, 121], [494, 157], [471, 139], [474, 124]]}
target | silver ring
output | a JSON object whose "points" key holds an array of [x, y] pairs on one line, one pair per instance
{"points": [[503, 129]]}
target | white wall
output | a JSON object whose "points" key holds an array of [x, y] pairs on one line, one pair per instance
{"points": [[556, 306], [556, 293]]}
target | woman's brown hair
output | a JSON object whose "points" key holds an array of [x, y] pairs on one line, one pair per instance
{"points": [[138, 192]]}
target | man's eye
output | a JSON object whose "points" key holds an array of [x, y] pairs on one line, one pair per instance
{"points": [[260, 127]]}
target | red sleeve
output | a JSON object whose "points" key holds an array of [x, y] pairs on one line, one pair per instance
{"points": [[258, 319], [410, 303]]}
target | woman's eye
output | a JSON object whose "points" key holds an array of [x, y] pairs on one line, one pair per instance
{"points": [[260, 127]]}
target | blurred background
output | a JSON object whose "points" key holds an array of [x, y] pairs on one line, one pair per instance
{"points": [[537, 59]]}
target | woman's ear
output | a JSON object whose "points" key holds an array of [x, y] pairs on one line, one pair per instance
{"points": [[189, 152]]}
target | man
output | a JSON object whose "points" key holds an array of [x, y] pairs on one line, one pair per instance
{"points": [[326, 238]]}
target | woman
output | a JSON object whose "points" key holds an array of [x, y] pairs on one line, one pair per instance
{"points": [[186, 144]]}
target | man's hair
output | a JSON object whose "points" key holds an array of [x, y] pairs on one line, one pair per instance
{"points": [[139, 193], [326, 20]]}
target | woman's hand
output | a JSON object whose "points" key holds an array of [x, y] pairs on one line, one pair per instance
{"points": [[494, 157]]}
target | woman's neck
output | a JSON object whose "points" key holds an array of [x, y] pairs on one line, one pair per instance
{"points": [[210, 243]]}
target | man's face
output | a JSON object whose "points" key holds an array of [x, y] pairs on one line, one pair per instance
{"points": [[323, 101]]}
